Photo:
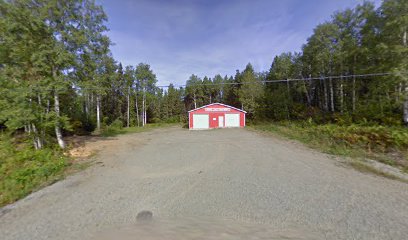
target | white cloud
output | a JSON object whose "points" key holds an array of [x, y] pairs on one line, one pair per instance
{"points": [[208, 38]]}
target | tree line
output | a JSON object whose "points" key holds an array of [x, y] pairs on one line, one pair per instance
{"points": [[58, 76], [333, 72]]}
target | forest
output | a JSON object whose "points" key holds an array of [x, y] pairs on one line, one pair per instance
{"points": [[58, 78]]}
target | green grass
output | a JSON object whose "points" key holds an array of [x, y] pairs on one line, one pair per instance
{"points": [[24, 170], [385, 144], [111, 131]]}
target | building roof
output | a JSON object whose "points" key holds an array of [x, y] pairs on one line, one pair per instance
{"points": [[218, 104]]}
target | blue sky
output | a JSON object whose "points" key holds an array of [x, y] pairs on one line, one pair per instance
{"points": [[181, 37]]}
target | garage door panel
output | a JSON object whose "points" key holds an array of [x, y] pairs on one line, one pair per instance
{"points": [[201, 121], [232, 120]]}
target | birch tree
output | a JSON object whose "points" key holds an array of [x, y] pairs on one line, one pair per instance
{"points": [[147, 80]]}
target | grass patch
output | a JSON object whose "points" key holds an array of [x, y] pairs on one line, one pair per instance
{"points": [[385, 144], [365, 168], [24, 170], [114, 130]]}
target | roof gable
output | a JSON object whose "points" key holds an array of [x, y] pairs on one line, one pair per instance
{"points": [[212, 104]]}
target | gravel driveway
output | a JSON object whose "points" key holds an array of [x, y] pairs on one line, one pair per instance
{"points": [[222, 182]]}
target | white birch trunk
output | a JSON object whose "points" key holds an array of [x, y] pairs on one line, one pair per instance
{"points": [[326, 100], [309, 102], [87, 105], [195, 101], [98, 113], [128, 107], [331, 94], [405, 105], [145, 110], [341, 97], [48, 107], [353, 94], [58, 131], [143, 107], [353, 97], [137, 111], [37, 140]]}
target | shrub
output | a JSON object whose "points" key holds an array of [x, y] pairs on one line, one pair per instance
{"points": [[384, 143], [24, 169], [117, 124]]}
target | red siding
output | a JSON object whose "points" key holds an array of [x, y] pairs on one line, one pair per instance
{"points": [[216, 115], [190, 120], [214, 123]]}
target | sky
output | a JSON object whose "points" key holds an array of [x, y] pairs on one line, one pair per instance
{"points": [[178, 38]]}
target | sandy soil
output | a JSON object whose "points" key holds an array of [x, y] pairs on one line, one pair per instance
{"points": [[219, 184]]}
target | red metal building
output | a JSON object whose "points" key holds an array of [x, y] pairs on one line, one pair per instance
{"points": [[216, 115]]}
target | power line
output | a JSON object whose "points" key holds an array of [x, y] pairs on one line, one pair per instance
{"points": [[293, 79], [344, 77]]}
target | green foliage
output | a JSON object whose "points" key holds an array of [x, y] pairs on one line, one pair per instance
{"points": [[117, 124], [373, 141], [250, 92], [354, 41], [373, 138], [24, 169], [114, 131]]}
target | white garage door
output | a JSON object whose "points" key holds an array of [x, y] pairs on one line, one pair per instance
{"points": [[201, 121], [231, 120]]}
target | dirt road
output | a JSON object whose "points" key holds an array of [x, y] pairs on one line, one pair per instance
{"points": [[225, 180]]}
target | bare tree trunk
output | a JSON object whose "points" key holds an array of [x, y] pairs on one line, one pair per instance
{"points": [[58, 132], [341, 96], [398, 90], [35, 137], [341, 93], [331, 94], [405, 105], [326, 99], [137, 111], [128, 107], [37, 140], [309, 102], [48, 107], [38, 135], [145, 115], [92, 102], [353, 94], [47, 111], [195, 101], [98, 113], [143, 107], [87, 105], [287, 99]]}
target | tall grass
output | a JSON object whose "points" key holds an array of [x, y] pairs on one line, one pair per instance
{"points": [[115, 129], [383, 143], [24, 169]]}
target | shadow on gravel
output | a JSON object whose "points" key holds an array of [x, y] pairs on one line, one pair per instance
{"points": [[149, 228]]}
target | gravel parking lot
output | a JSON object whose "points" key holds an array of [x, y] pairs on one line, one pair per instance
{"points": [[217, 184]]}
